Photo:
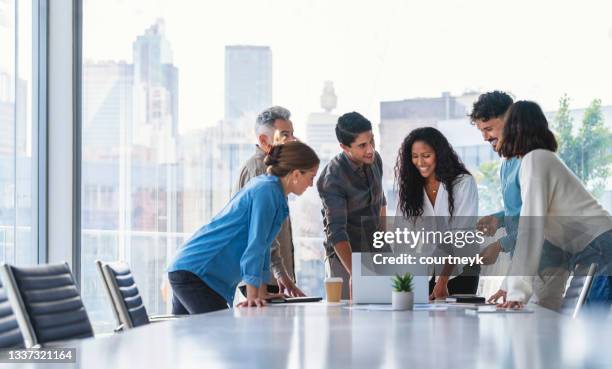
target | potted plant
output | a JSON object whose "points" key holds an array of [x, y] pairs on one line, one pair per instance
{"points": [[402, 297]]}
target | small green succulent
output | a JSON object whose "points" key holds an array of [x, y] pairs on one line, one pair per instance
{"points": [[402, 283]]}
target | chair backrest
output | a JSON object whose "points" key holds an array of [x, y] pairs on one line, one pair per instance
{"points": [[47, 303], [127, 304], [578, 290], [10, 334]]}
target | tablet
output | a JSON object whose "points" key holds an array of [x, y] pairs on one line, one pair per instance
{"points": [[290, 300]]}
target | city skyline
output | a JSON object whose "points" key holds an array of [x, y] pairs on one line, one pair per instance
{"points": [[373, 52]]}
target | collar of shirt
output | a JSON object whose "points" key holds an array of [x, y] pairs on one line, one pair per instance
{"points": [[259, 153], [356, 168]]}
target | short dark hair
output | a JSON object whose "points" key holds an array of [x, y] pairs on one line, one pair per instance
{"points": [[490, 105], [349, 126], [525, 130]]}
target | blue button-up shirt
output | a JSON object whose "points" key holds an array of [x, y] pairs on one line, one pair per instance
{"points": [[511, 194], [235, 245]]}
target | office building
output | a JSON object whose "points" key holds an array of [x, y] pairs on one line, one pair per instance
{"points": [[248, 80]]}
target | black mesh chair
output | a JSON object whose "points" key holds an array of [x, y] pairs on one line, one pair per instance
{"points": [[10, 334], [127, 303], [47, 303], [578, 290]]}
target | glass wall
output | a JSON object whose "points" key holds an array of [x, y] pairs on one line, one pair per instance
{"points": [[171, 92], [18, 241]]}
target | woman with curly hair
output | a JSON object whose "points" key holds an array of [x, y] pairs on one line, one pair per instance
{"points": [[432, 181]]}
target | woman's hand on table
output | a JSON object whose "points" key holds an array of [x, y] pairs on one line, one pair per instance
{"points": [[253, 302], [255, 296], [496, 296], [512, 305]]}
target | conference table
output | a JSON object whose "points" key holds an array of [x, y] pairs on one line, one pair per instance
{"points": [[320, 335]]}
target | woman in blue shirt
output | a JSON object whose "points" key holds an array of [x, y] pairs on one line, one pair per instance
{"points": [[235, 245]]}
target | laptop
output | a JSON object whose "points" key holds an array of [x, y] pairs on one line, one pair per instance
{"points": [[375, 286]]}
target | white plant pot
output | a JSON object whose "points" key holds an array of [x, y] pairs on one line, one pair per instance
{"points": [[402, 300]]}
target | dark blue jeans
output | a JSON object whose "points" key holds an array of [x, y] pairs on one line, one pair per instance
{"points": [[600, 252], [190, 295]]}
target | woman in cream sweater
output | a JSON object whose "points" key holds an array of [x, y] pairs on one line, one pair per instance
{"points": [[556, 208]]}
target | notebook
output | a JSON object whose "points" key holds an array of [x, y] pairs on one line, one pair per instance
{"points": [[470, 299]]}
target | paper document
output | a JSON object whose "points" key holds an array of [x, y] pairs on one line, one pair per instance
{"points": [[492, 309], [386, 307]]}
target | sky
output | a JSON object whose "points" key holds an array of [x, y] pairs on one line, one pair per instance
{"points": [[372, 50]]}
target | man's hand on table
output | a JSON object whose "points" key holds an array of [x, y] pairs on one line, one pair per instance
{"points": [[286, 285], [440, 291]]}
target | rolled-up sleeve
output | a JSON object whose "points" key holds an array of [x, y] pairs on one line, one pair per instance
{"points": [[334, 210], [255, 261], [266, 267], [508, 241]]}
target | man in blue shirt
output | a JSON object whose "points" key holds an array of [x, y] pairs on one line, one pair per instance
{"points": [[488, 116]]}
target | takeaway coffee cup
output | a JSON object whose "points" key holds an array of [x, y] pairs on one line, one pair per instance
{"points": [[333, 289]]}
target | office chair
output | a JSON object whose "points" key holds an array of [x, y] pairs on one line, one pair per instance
{"points": [[127, 304], [577, 291], [46, 302], [10, 334]]}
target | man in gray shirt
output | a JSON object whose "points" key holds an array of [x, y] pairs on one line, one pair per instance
{"points": [[273, 126], [354, 204]]}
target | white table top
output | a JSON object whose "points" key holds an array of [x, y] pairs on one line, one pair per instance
{"points": [[324, 336]]}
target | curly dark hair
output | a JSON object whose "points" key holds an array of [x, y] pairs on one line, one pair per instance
{"points": [[408, 180], [526, 129], [490, 105]]}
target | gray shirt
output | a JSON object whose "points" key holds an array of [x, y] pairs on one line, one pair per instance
{"points": [[352, 199], [281, 256]]}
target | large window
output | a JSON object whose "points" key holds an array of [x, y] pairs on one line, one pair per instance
{"points": [[18, 180], [171, 91]]}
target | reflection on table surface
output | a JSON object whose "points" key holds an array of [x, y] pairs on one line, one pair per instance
{"points": [[318, 335]]}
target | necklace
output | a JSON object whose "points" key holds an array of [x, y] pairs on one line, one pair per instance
{"points": [[434, 188]]}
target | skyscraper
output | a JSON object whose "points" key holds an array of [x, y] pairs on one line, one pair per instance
{"points": [[155, 81], [248, 80], [107, 108]]}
